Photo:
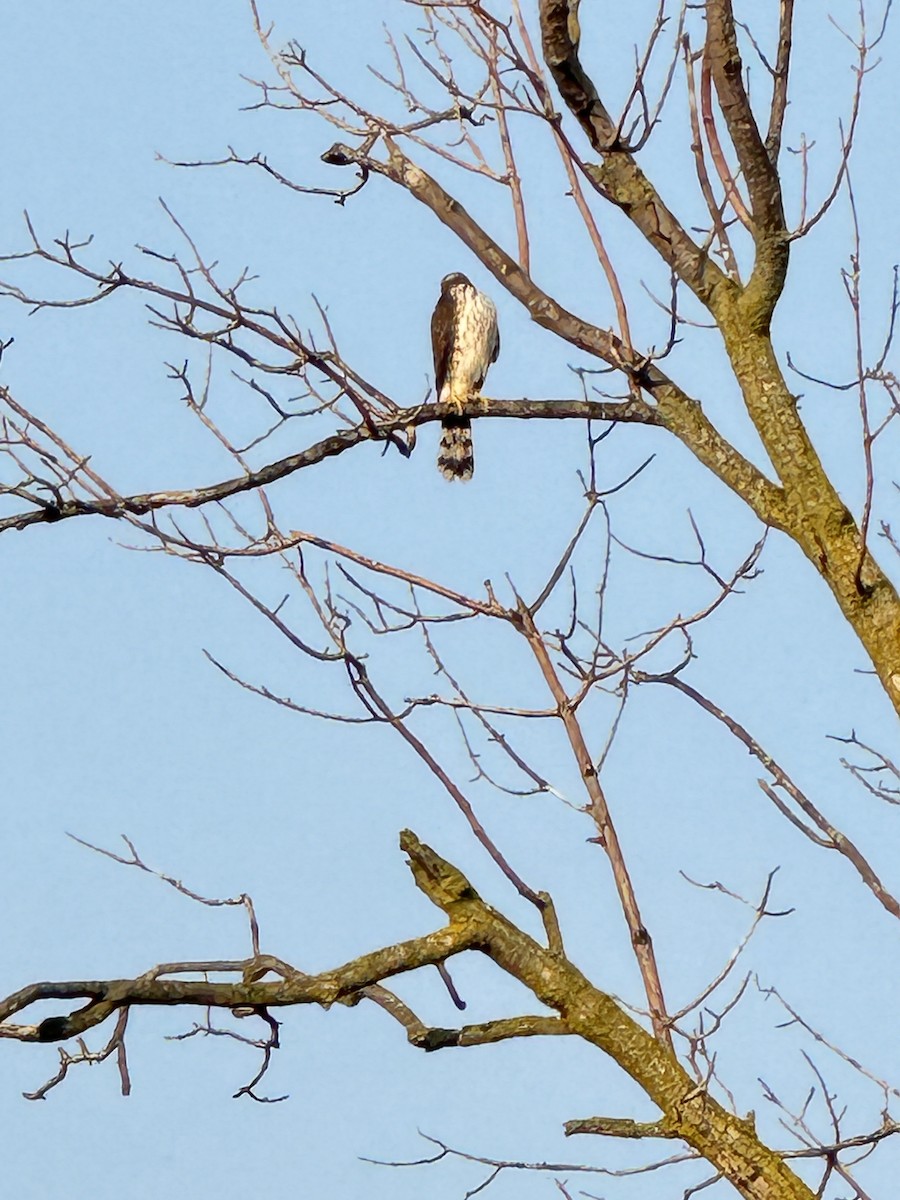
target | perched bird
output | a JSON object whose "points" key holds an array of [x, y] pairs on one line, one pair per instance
{"points": [[465, 341]]}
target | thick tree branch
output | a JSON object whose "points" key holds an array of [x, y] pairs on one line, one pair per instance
{"points": [[347, 982], [815, 515], [729, 1143], [619, 178], [816, 518], [766, 282], [726, 1141]]}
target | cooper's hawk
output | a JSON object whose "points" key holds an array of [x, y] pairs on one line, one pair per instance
{"points": [[465, 340]]}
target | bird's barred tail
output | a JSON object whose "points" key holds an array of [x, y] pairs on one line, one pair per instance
{"points": [[456, 458]]}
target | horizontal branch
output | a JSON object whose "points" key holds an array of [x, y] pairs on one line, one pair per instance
{"points": [[630, 411], [486, 1033], [344, 983], [619, 1127]]}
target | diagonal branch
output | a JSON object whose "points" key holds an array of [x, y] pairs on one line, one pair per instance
{"points": [[729, 1143], [619, 178], [829, 836], [780, 80], [606, 830], [770, 231], [380, 430]]}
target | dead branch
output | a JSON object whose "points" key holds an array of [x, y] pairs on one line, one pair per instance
{"points": [[726, 1141]]}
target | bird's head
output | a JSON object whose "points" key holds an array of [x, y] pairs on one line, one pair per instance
{"points": [[454, 279]]}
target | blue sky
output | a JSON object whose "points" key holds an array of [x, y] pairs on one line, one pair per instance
{"points": [[112, 720]]}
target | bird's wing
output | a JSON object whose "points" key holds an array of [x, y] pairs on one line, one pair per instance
{"points": [[442, 321]]}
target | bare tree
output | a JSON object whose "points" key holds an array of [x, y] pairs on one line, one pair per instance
{"points": [[486, 95]]}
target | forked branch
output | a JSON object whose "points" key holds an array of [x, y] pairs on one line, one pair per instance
{"points": [[729, 1143]]}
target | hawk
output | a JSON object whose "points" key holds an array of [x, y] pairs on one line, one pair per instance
{"points": [[465, 340]]}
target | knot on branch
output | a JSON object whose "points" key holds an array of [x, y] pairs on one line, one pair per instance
{"points": [[437, 1039], [53, 1029]]}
